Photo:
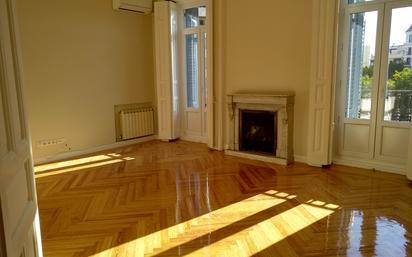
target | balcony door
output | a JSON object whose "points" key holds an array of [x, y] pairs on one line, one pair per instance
{"points": [[375, 94], [195, 72]]}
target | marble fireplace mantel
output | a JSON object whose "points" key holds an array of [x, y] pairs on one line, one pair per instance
{"points": [[281, 103]]}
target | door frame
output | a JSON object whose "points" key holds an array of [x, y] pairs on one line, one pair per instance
{"points": [[208, 29], [211, 104]]}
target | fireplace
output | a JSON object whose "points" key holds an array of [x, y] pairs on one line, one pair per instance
{"points": [[260, 126], [258, 131]]}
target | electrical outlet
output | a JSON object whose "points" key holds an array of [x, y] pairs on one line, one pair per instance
{"points": [[51, 142]]}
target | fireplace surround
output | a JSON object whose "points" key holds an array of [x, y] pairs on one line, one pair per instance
{"points": [[260, 126]]}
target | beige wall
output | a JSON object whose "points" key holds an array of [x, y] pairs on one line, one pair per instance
{"points": [[80, 58], [266, 47]]}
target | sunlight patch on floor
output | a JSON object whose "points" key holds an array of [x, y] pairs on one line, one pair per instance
{"points": [[87, 166], [65, 164], [246, 242], [198, 227], [78, 164], [261, 236]]}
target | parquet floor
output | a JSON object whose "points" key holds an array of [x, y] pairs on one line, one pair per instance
{"points": [[180, 199]]}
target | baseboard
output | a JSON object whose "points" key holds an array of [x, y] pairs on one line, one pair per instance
{"points": [[194, 139], [73, 154], [381, 166], [301, 159]]}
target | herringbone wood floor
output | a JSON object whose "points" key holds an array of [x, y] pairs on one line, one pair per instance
{"points": [[180, 199]]}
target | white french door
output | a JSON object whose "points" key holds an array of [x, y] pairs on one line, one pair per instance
{"points": [[375, 94], [19, 228], [194, 73]]}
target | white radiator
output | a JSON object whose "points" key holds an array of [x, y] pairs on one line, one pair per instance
{"points": [[136, 123]]}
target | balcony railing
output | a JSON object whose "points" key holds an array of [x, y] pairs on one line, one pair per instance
{"points": [[398, 105]]}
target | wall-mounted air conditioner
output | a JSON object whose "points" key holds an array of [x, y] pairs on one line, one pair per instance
{"points": [[141, 6]]}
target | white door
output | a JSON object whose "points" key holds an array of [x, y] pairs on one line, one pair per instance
{"points": [[167, 87], [375, 96], [195, 74], [17, 188]]}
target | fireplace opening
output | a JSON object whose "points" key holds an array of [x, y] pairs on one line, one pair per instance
{"points": [[258, 131]]}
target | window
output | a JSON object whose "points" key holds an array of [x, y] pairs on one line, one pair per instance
{"points": [[192, 71], [194, 45], [398, 97], [360, 71], [410, 38], [195, 17]]}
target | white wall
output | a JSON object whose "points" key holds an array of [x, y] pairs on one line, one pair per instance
{"points": [[80, 58]]}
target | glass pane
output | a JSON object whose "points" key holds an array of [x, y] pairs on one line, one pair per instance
{"points": [[362, 42], [195, 17], [192, 71], [204, 41], [398, 98]]}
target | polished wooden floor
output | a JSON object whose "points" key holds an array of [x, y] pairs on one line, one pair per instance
{"points": [[180, 199]]}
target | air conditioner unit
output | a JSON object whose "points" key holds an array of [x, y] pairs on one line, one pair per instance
{"points": [[141, 6]]}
